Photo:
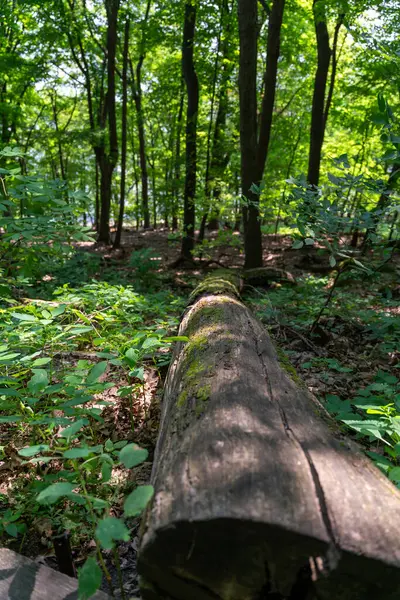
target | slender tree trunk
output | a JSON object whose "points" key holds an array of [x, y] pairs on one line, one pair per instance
{"points": [[177, 170], [192, 87], [124, 123], [207, 188], [382, 203], [334, 68], [254, 147], [288, 171], [97, 199], [219, 159], [59, 146], [318, 116], [270, 78], [110, 158], [248, 32], [153, 189], [137, 94]]}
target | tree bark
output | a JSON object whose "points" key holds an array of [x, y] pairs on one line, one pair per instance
{"points": [[177, 169], [257, 492], [124, 124], [192, 87], [219, 156], [254, 146], [318, 117], [109, 158], [137, 94]]}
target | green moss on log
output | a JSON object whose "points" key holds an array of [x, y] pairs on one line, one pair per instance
{"points": [[220, 282], [288, 367]]}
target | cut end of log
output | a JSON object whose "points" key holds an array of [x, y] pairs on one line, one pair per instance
{"points": [[220, 282]]}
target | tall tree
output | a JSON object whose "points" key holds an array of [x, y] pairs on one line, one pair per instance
{"points": [[124, 135], [217, 157], [136, 76], [109, 158], [321, 101], [192, 88], [254, 143]]}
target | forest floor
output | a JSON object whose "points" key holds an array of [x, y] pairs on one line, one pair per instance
{"points": [[354, 353]]}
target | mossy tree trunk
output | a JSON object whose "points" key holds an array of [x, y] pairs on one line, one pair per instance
{"points": [[256, 492]]}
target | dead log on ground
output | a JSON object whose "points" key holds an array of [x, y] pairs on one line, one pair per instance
{"points": [[24, 579], [257, 494]]}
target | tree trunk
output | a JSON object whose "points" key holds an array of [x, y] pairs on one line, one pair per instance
{"points": [[248, 32], [192, 87], [254, 152], [109, 158], [124, 124], [382, 203], [177, 169], [137, 94], [207, 187], [58, 136], [257, 492], [271, 72], [318, 118], [219, 158]]}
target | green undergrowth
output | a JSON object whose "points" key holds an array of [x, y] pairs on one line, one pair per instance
{"points": [[60, 354]]}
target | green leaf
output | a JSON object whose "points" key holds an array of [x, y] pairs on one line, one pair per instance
{"points": [[89, 579], [151, 342], [96, 372], [132, 455], [297, 244], [110, 529], [137, 373], [54, 492], [77, 453], [23, 317], [394, 474], [78, 330], [132, 356], [39, 362], [332, 261], [106, 471], [10, 392], [386, 377], [39, 380], [12, 529], [380, 461], [309, 241], [109, 446], [137, 501], [10, 356], [33, 450], [59, 310], [73, 429], [335, 405], [11, 419]]}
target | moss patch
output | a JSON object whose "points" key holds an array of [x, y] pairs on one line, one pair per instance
{"points": [[221, 282], [289, 368]]}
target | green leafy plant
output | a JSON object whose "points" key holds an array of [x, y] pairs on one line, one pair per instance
{"points": [[374, 414], [39, 219]]}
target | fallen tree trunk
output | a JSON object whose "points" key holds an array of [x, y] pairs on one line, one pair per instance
{"points": [[24, 579], [257, 494]]}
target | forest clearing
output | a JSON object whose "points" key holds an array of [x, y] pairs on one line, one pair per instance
{"points": [[199, 300]]}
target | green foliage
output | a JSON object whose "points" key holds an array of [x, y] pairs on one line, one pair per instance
{"points": [[39, 220], [223, 239], [374, 414], [145, 262]]}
